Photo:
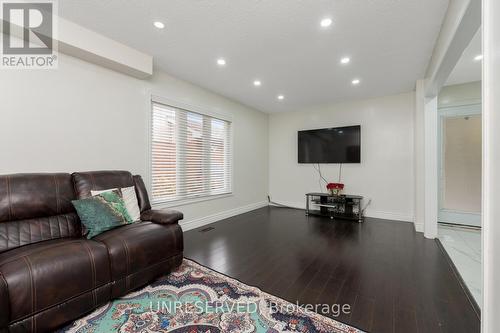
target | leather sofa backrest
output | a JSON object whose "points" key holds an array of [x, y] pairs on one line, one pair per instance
{"points": [[103, 180], [35, 208], [100, 180], [142, 194]]}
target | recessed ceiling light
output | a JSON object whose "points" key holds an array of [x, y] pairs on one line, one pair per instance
{"points": [[281, 97], [479, 57], [326, 22], [257, 83], [345, 60], [221, 62], [159, 25], [355, 82]]}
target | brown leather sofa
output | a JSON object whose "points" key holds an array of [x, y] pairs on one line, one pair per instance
{"points": [[49, 273]]}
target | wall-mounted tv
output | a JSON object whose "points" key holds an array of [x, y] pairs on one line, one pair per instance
{"points": [[330, 145]]}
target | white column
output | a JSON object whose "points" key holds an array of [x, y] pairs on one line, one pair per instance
{"points": [[431, 168], [426, 162], [419, 137], [491, 167]]}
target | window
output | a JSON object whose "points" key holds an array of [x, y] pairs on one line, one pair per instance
{"points": [[190, 154]]}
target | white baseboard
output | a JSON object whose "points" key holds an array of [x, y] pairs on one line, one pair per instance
{"points": [[389, 216], [419, 227], [289, 204], [456, 217], [200, 222]]}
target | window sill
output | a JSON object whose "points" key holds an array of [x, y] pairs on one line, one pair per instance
{"points": [[184, 202]]}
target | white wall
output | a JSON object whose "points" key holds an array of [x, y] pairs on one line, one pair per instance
{"points": [[387, 161], [462, 164], [85, 117]]}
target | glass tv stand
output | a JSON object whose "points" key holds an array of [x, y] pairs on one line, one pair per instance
{"points": [[343, 206]]}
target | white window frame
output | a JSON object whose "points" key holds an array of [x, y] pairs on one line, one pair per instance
{"points": [[202, 110]]}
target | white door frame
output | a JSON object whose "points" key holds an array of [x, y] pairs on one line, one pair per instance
{"points": [[460, 24], [490, 319], [447, 215]]}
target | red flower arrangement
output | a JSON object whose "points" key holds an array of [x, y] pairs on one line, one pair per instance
{"points": [[335, 188]]}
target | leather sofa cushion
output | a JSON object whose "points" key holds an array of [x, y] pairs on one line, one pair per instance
{"points": [[35, 208], [52, 319], [85, 182], [28, 196], [135, 247], [24, 232], [43, 275]]}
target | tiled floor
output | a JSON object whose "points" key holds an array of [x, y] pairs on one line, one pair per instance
{"points": [[464, 248]]}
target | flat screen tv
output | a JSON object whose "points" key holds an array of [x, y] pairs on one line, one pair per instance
{"points": [[330, 145]]}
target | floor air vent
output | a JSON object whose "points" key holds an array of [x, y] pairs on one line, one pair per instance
{"points": [[207, 229]]}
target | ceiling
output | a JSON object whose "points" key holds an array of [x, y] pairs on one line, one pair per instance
{"points": [[468, 69], [279, 42]]}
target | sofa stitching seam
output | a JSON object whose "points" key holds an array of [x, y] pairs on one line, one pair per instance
{"points": [[7, 292], [59, 227], [7, 180], [50, 229], [173, 232], [7, 186], [94, 278], [57, 195], [32, 290], [127, 282], [67, 224], [29, 233], [126, 248]]}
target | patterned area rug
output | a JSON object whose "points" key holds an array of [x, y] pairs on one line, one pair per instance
{"points": [[195, 299]]}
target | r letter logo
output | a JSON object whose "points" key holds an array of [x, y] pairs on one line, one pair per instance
{"points": [[28, 35]]}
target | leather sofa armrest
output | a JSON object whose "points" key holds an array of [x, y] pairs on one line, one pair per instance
{"points": [[162, 216], [4, 303]]}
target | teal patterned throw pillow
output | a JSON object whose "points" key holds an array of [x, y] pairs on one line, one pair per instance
{"points": [[102, 212]]}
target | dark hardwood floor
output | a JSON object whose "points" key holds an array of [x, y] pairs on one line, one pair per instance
{"points": [[394, 279]]}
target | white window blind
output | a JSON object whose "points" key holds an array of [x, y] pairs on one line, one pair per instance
{"points": [[191, 154]]}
